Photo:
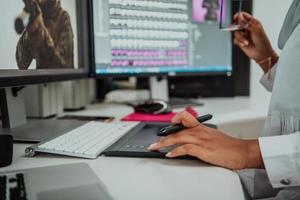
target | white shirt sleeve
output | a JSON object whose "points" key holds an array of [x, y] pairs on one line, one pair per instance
{"points": [[267, 79], [281, 156]]}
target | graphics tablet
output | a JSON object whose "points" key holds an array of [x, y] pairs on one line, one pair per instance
{"points": [[136, 142]]}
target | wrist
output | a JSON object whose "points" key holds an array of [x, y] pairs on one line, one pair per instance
{"points": [[268, 62], [254, 157]]}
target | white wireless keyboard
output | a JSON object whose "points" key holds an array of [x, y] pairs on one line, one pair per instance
{"points": [[87, 141]]}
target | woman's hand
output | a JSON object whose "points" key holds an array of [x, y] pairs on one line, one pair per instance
{"points": [[210, 145], [253, 40]]}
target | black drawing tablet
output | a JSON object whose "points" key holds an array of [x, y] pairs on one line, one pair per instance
{"points": [[136, 142]]}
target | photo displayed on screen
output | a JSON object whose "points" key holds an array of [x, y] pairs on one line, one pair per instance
{"points": [[39, 34], [206, 10]]}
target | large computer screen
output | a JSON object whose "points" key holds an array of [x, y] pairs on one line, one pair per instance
{"points": [[41, 39], [138, 37]]}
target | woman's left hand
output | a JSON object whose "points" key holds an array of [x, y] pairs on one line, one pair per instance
{"points": [[211, 145]]}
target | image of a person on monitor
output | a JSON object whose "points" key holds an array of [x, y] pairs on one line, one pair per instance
{"points": [[212, 7], [47, 38]]}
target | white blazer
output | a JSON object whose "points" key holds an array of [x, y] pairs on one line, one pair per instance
{"points": [[280, 140]]}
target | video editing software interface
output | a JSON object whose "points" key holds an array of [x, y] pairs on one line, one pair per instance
{"points": [[170, 36]]}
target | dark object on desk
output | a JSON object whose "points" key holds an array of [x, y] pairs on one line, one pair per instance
{"points": [[179, 127], [6, 150], [88, 118], [153, 107], [137, 141]]}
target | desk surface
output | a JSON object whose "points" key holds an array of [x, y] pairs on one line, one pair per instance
{"points": [[138, 178], [149, 179]]}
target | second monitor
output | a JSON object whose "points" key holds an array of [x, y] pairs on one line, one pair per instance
{"points": [[153, 38]]}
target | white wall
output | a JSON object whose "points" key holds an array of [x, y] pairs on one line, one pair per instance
{"points": [[8, 36], [271, 13]]}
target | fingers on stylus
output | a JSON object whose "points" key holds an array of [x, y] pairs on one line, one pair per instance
{"points": [[185, 118], [241, 38], [243, 19], [247, 16], [239, 43], [188, 149], [177, 118], [242, 16]]}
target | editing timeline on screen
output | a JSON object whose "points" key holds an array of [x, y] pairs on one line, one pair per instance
{"points": [[178, 36]]}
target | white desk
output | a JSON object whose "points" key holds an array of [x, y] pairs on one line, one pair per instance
{"points": [[138, 178]]}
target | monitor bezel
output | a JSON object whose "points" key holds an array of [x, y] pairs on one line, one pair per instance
{"points": [[16, 77], [94, 74]]}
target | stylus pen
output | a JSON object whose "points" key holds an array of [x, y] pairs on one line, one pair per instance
{"points": [[179, 127]]}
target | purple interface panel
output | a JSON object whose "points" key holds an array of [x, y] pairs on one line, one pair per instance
{"points": [[202, 7], [156, 56], [151, 58]]}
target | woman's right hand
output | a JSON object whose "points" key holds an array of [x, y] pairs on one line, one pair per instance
{"points": [[253, 40], [210, 145]]}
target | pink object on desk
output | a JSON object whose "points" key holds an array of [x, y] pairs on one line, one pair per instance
{"points": [[141, 117]]}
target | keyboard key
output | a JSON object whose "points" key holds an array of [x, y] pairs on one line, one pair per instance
{"points": [[12, 186]]}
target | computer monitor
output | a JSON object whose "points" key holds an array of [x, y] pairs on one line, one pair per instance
{"points": [[41, 41], [153, 38]]}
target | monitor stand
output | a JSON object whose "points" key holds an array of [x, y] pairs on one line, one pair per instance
{"points": [[15, 123], [12, 107], [159, 89]]}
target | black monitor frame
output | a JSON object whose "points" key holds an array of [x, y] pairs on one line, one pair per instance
{"points": [[14, 78], [138, 75]]}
